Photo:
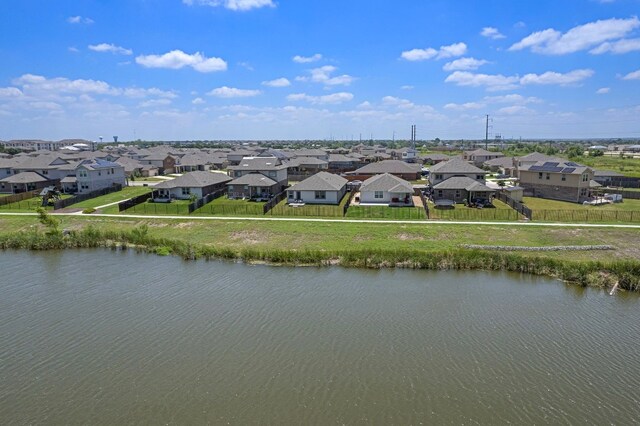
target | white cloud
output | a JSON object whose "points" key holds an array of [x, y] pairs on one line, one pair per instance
{"points": [[112, 48], [515, 109], [151, 103], [10, 92], [73, 49], [198, 101], [550, 77], [492, 82], [407, 87], [323, 75], [307, 59], [278, 82], [491, 33], [512, 99], [582, 37], [632, 76], [453, 50], [464, 107], [80, 20], [334, 98], [464, 64], [618, 47], [177, 59], [236, 5], [603, 90], [232, 92]]}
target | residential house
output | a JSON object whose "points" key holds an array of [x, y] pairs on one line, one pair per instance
{"points": [[165, 163], [252, 186], [407, 171], [321, 188], [557, 180], [434, 158], [386, 189], [479, 156], [269, 167], [303, 167], [93, 175], [455, 168], [23, 182], [502, 165], [198, 184], [460, 189], [609, 178]]}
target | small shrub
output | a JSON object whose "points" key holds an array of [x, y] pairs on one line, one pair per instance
{"points": [[89, 210]]}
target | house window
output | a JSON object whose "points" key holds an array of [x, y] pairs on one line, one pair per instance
{"points": [[113, 171], [457, 193], [378, 194], [321, 195], [540, 175], [438, 177], [479, 177], [230, 187], [186, 191], [585, 177], [45, 172], [564, 177], [548, 176], [272, 174], [583, 192], [440, 193], [290, 194]]}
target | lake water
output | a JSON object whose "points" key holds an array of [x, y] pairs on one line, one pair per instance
{"points": [[102, 337]]}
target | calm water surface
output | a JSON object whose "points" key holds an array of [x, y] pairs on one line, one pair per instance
{"points": [[101, 337]]}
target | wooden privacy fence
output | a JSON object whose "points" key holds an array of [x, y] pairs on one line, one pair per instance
{"points": [[345, 208], [66, 202], [516, 205], [274, 202], [419, 193], [10, 199], [127, 204], [206, 200]]}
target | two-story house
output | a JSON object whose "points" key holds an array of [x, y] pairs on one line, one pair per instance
{"points": [[557, 180], [93, 175], [257, 177]]}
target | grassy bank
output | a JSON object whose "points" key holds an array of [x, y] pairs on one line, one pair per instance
{"points": [[149, 237]]}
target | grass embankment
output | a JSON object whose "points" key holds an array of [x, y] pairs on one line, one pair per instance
{"points": [[114, 197], [384, 212], [348, 244], [626, 166], [223, 206]]}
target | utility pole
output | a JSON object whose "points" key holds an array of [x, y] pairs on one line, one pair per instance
{"points": [[486, 134]]}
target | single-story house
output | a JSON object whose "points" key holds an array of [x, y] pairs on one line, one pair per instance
{"points": [[23, 182], [253, 185], [199, 184], [407, 171], [461, 188], [321, 188], [386, 189]]}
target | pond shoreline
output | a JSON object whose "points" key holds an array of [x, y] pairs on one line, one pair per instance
{"points": [[623, 273]]}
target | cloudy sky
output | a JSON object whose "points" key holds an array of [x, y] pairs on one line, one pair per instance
{"points": [[319, 69]]}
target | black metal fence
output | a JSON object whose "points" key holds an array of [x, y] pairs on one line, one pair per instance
{"points": [[586, 216], [206, 199], [273, 202], [66, 202], [345, 208]]}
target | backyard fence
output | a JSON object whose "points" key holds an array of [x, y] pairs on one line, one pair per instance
{"points": [[485, 214], [127, 204], [307, 210], [420, 194], [273, 202], [345, 208], [515, 205], [384, 212], [14, 198], [206, 200], [175, 208], [66, 202], [586, 216]]}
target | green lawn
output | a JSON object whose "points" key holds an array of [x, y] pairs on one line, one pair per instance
{"points": [[126, 193], [500, 212], [310, 210], [422, 236], [384, 212], [626, 166], [223, 206], [28, 205], [176, 207], [562, 211]]}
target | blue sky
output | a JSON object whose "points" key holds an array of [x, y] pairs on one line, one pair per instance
{"points": [[319, 69]]}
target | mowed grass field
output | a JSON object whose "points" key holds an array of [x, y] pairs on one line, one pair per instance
{"points": [[422, 236]]}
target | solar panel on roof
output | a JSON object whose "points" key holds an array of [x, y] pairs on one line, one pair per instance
{"points": [[572, 164], [569, 170]]}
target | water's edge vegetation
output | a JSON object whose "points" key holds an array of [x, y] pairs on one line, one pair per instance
{"points": [[625, 273]]}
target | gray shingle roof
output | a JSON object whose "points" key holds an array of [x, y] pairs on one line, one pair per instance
{"points": [[455, 166], [389, 166], [463, 182], [24, 177], [258, 163], [386, 182], [537, 156], [321, 181], [500, 162], [194, 180], [253, 179], [606, 173]]}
